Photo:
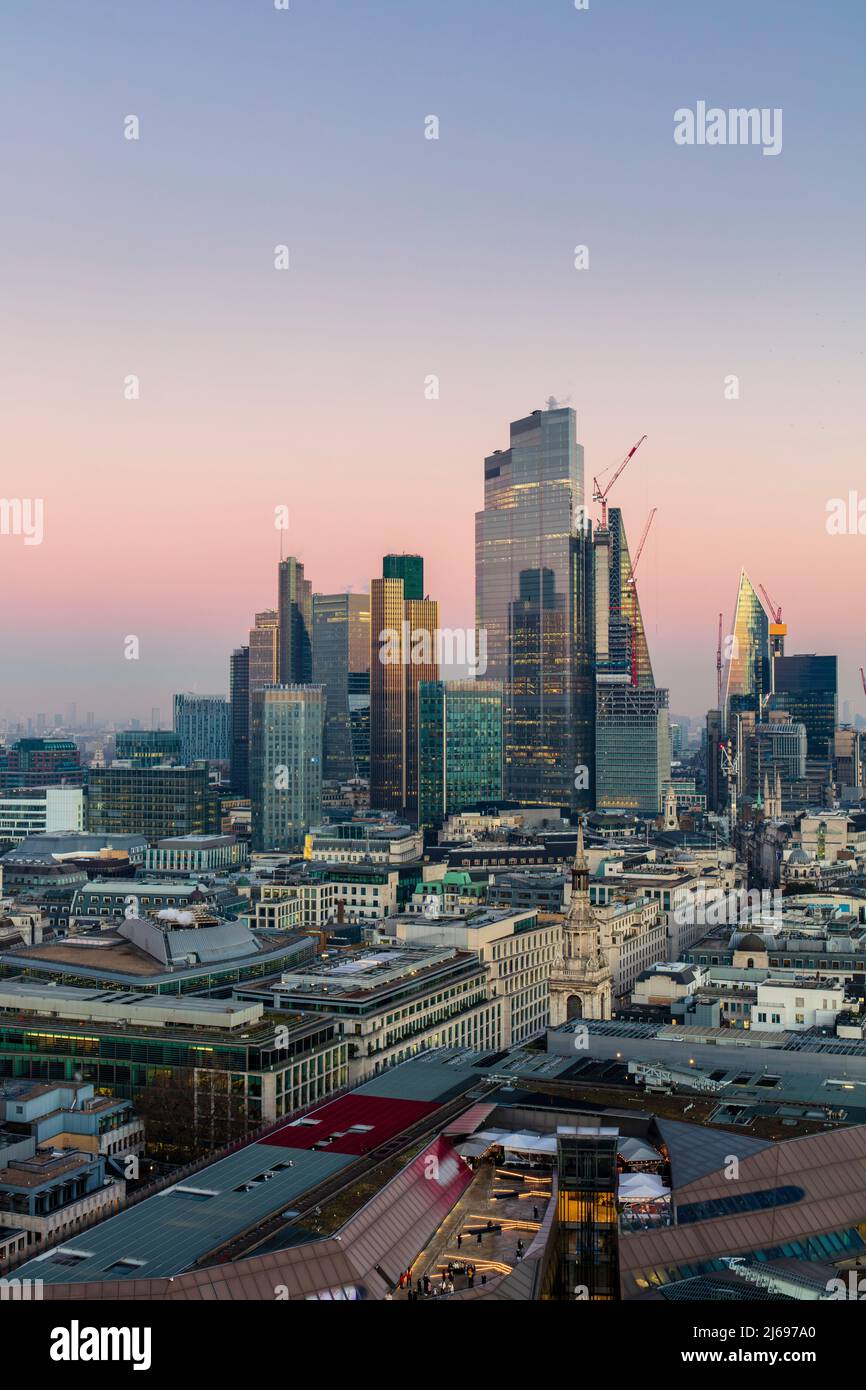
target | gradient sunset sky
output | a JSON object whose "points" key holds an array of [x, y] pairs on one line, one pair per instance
{"points": [[412, 257]]}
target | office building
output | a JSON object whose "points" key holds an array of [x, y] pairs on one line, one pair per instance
{"points": [[285, 764], [748, 675], [632, 748], [147, 747], [341, 664], [807, 688], [586, 1166], [239, 699], [295, 609], [154, 801], [533, 585], [41, 762], [404, 652], [29, 811], [459, 747], [203, 725], [264, 643]]}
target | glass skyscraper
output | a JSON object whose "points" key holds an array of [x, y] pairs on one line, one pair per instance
{"points": [[459, 746], [807, 687], [632, 749], [403, 653], [533, 586], [239, 698], [748, 673], [286, 728], [341, 652], [295, 606]]}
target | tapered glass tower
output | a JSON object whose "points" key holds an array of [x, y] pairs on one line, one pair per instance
{"points": [[533, 599]]}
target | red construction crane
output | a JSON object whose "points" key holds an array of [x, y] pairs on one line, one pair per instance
{"points": [[775, 609], [863, 679], [601, 496], [719, 667], [630, 581]]}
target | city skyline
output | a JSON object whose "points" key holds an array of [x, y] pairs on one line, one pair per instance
{"points": [[440, 270]]}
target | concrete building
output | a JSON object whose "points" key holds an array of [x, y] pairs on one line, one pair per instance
{"points": [[197, 855], [39, 810], [518, 948], [390, 1002], [376, 839]]}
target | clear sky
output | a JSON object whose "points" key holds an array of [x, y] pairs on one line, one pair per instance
{"points": [[411, 257]]}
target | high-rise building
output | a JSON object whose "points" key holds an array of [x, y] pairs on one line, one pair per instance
{"points": [[617, 606], [157, 802], [403, 653], [632, 748], [409, 568], [264, 645], [533, 586], [41, 762], [716, 790], [459, 747], [295, 606], [286, 728], [239, 699], [147, 747], [203, 724], [807, 687], [747, 680], [341, 651]]}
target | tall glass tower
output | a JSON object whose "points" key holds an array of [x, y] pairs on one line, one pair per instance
{"points": [[748, 673], [341, 652], [533, 598]]}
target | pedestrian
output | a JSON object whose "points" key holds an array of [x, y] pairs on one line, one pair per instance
{"points": [[484, 1279], [478, 1235], [418, 1286], [535, 1213], [459, 1240], [471, 1277]]}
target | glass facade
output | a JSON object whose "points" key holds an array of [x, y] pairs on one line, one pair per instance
{"points": [[459, 748], [341, 636], [586, 1215], [632, 749], [295, 601], [748, 672], [533, 592], [147, 746], [156, 802], [807, 687], [286, 764], [626, 622], [403, 654], [409, 568], [239, 698]]}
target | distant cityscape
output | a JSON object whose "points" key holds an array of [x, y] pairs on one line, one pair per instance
{"points": [[367, 980]]}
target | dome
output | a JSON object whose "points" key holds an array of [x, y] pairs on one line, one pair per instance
{"points": [[799, 856], [751, 942]]}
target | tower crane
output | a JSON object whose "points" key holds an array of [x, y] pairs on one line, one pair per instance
{"points": [[863, 679], [599, 495], [719, 667], [638, 552], [778, 631]]}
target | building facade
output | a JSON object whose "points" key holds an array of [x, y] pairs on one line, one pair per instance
{"points": [[459, 747], [286, 764]]}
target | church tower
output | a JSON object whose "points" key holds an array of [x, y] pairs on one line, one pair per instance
{"points": [[580, 978]]}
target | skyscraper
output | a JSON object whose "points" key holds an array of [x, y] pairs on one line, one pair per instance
{"points": [[147, 747], [295, 605], [403, 652], [341, 655], [533, 585], [747, 681], [203, 725], [459, 746], [287, 723], [807, 687], [239, 698], [265, 650], [632, 748]]}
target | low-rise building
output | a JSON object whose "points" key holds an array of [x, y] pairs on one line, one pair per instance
{"points": [[27, 811], [794, 1005], [390, 1002], [518, 949], [197, 855], [374, 839]]}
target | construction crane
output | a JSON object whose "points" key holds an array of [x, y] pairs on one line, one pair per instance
{"points": [[778, 629], [719, 667], [601, 496], [863, 679], [630, 581]]}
